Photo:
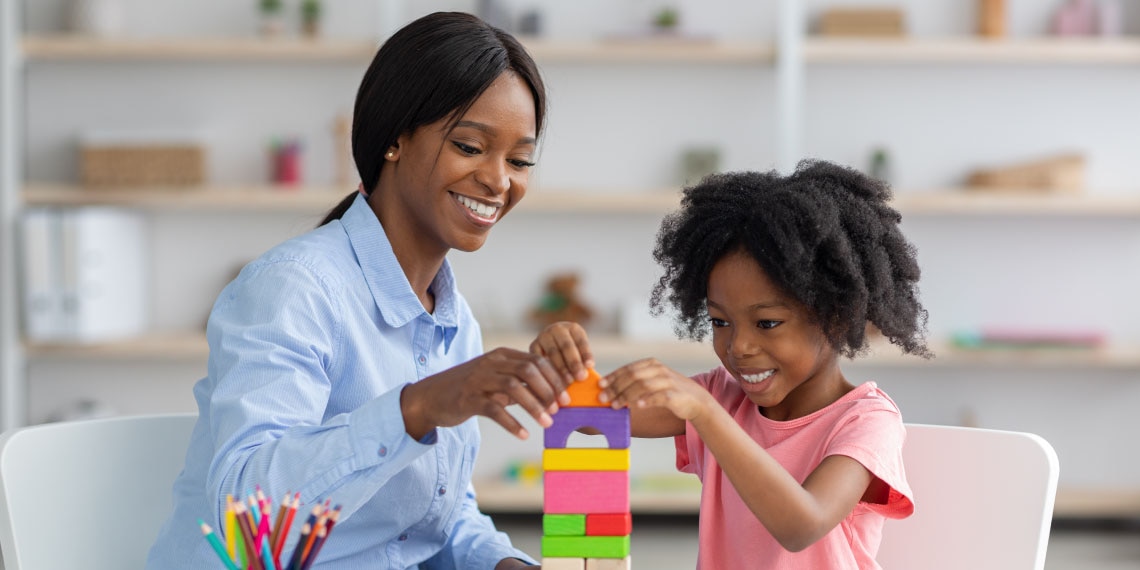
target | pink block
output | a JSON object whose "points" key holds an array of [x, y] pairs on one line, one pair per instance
{"points": [[583, 492]]}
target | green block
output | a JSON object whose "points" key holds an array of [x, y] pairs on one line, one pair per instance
{"points": [[585, 546], [564, 525]]}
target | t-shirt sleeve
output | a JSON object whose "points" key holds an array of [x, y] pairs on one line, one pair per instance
{"points": [[875, 439], [690, 448]]}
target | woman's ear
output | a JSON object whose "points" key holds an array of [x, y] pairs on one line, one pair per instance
{"points": [[393, 153]]}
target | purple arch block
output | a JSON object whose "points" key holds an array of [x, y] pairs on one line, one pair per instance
{"points": [[614, 424]]}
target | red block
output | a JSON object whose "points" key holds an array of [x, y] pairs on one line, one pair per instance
{"points": [[608, 524]]}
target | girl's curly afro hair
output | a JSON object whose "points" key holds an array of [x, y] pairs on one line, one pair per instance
{"points": [[825, 235]]}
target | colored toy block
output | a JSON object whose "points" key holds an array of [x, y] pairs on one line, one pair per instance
{"points": [[585, 546], [564, 563], [585, 459], [584, 393], [564, 525], [573, 492], [608, 524], [607, 563], [614, 424]]}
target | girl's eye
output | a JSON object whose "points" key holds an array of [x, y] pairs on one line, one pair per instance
{"points": [[519, 163], [465, 148], [768, 324], [718, 323]]}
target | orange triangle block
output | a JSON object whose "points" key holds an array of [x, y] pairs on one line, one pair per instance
{"points": [[584, 393]]}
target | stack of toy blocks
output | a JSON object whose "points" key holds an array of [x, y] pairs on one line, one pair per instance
{"points": [[586, 521]]}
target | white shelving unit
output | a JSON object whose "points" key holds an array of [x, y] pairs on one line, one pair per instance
{"points": [[790, 59]]}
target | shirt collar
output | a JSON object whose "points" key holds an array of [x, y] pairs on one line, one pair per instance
{"points": [[390, 288]]}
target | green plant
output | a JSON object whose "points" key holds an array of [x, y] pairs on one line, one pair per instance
{"points": [[269, 7], [667, 18], [311, 10]]}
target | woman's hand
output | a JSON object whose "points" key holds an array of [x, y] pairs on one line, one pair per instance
{"points": [[650, 384], [566, 346], [484, 386]]}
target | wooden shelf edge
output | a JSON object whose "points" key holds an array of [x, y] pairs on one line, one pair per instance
{"points": [[1083, 502], [81, 48], [1045, 50]]}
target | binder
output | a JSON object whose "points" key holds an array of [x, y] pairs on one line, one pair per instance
{"points": [[41, 284]]}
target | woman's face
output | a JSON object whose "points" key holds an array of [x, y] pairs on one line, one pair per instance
{"points": [[453, 186], [768, 341]]}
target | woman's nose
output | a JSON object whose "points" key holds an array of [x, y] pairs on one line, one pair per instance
{"points": [[493, 174]]}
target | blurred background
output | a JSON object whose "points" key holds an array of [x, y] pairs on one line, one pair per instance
{"points": [[151, 148]]}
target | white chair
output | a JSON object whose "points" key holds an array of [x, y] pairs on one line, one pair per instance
{"points": [[983, 500], [88, 494]]}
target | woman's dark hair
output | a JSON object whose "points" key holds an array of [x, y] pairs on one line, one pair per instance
{"points": [[433, 68], [825, 235]]}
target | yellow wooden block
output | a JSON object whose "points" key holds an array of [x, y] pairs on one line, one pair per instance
{"points": [[563, 564], [606, 563], [585, 459]]}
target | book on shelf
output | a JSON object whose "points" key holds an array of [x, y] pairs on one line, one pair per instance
{"points": [[85, 274]]}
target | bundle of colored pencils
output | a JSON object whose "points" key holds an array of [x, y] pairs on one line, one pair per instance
{"points": [[252, 542]]}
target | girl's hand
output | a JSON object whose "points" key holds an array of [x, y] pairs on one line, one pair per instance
{"points": [[484, 386], [566, 346], [650, 384]]}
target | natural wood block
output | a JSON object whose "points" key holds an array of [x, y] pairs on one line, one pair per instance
{"points": [[608, 524], [585, 546], [564, 525], [1062, 173], [575, 492], [563, 563], [584, 393], [613, 424], [585, 459], [851, 21], [608, 563]]}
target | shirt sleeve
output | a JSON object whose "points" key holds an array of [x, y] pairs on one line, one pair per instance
{"points": [[474, 542], [690, 447], [274, 335], [874, 437]]}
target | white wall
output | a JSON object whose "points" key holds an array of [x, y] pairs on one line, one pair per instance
{"points": [[623, 126]]}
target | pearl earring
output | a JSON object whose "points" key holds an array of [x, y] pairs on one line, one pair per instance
{"points": [[390, 154]]}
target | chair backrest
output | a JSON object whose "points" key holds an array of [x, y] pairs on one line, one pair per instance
{"points": [[983, 500], [88, 494]]}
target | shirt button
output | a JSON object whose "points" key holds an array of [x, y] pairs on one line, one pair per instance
{"points": [[422, 359], [403, 537], [383, 450], [443, 490]]}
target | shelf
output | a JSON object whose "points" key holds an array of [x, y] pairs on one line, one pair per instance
{"points": [[628, 201], [79, 48], [972, 51], [650, 50], [609, 348], [319, 199], [499, 497]]}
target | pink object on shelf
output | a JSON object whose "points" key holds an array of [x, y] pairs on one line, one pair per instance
{"points": [[1076, 18], [286, 158]]}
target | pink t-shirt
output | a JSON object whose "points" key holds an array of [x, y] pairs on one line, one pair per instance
{"points": [[865, 424]]}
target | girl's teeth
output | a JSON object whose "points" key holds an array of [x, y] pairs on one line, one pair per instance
{"points": [[753, 378]]}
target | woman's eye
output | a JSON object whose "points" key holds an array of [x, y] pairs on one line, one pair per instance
{"points": [[768, 324], [718, 323], [518, 163], [465, 148]]}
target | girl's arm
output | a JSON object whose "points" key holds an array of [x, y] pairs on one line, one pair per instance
{"points": [[796, 515]]}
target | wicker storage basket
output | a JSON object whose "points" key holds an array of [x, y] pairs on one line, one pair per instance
{"points": [[134, 165]]}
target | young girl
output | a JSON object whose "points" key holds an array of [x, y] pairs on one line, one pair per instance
{"points": [[799, 467], [344, 363]]}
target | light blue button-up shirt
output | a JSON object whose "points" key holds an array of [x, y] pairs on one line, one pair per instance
{"points": [[310, 347]]}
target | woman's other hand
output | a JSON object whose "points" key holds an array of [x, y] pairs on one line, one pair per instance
{"points": [[566, 346], [484, 386]]}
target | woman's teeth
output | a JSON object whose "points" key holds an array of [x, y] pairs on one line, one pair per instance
{"points": [[480, 209], [754, 378]]}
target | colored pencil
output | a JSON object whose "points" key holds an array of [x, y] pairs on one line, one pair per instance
{"points": [[279, 521], [281, 536], [322, 536], [231, 528], [216, 544], [321, 522], [243, 518], [295, 560]]}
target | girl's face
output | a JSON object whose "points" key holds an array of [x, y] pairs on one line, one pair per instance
{"points": [[769, 342], [453, 186]]}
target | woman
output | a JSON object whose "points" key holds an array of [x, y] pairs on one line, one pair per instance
{"points": [[344, 364]]}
